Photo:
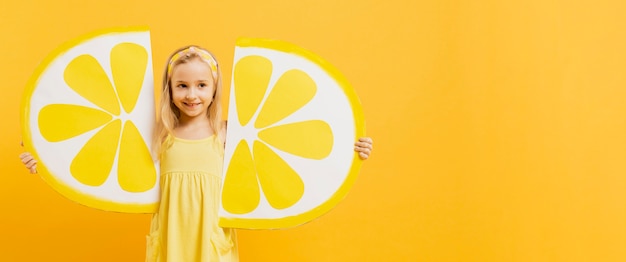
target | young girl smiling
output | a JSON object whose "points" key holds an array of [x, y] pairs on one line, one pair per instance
{"points": [[189, 141]]}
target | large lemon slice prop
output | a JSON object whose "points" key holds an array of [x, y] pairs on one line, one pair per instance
{"points": [[292, 123], [88, 117]]}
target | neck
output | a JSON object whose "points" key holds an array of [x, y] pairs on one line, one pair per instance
{"points": [[193, 128], [185, 121]]}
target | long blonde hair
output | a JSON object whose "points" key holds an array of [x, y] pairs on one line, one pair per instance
{"points": [[169, 114]]}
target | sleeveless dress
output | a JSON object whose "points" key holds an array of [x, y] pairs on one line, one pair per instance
{"points": [[185, 227]]}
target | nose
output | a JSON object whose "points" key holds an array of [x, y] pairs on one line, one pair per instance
{"points": [[191, 93]]}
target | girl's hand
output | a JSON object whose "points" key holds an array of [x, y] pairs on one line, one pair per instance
{"points": [[364, 147], [29, 161]]}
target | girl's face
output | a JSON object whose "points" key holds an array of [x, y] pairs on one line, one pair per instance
{"points": [[193, 88]]}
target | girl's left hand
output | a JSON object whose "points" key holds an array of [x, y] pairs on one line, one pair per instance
{"points": [[364, 147]]}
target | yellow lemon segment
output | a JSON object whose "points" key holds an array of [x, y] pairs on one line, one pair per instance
{"points": [[93, 163], [253, 73], [293, 90], [241, 182], [293, 121], [58, 122], [135, 169], [88, 113], [282, 186], [128, 64], [85, 75], [309, 139]]}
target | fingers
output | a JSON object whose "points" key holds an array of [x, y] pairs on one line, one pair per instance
{"points": [[25, 157], [364, 147], [366, 139], [364, 142], [363, 155], [365, 150], [30, 164], [29, 161]]}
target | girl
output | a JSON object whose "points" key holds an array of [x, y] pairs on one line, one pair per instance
{"points": [[189, 140]]}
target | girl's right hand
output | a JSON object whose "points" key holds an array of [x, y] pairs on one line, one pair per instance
{"points": [[29, 161]]}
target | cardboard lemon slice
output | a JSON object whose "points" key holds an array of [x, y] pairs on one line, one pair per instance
{"points": [[88, 113], [292, 123]]}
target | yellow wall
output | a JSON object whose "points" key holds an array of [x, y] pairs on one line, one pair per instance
{"points": [[499, 127]]}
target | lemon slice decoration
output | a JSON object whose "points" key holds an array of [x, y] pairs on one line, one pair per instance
{"points": [[292, 123], [88, 113]]}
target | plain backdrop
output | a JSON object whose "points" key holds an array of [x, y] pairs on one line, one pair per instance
{"points": [[499, 126]]}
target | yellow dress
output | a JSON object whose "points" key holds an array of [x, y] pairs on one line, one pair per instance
{"points": [[185, 227]]}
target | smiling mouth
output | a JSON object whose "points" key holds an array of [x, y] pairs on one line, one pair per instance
{"points": [[191, 104]]}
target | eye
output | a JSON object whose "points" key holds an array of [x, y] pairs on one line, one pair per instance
{"points": [[202, 85], [181, 86]]}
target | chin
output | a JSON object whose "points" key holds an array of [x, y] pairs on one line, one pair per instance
{"points": [[194, 114]]}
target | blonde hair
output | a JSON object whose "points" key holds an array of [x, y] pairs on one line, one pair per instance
{"points": [[168, 113]]}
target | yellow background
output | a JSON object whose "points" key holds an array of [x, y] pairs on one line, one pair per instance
{"points": [[499, 126]]}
